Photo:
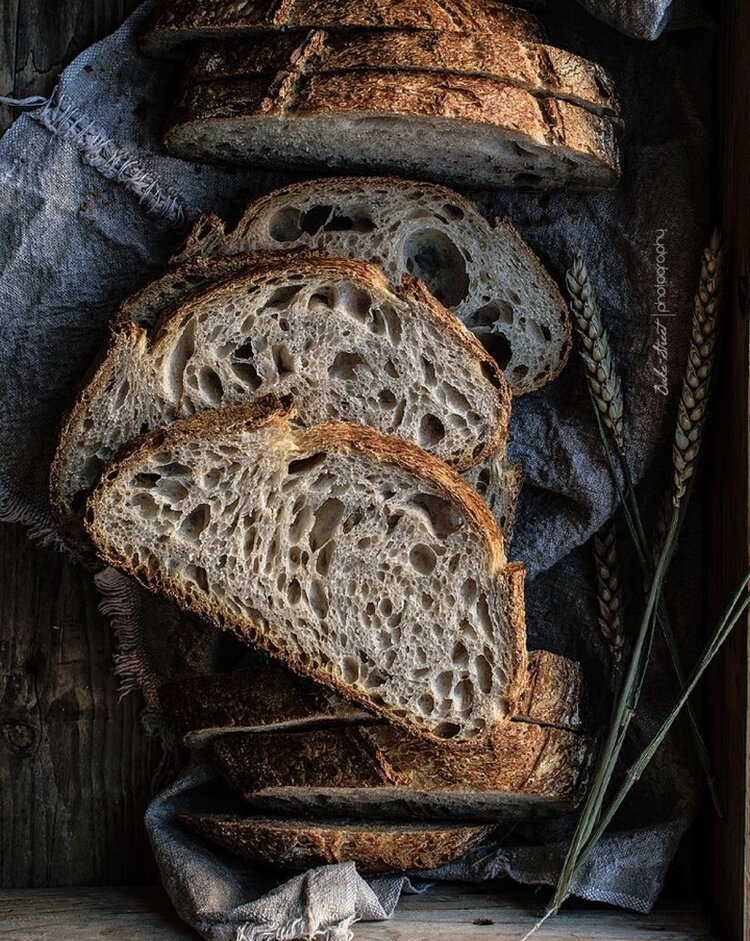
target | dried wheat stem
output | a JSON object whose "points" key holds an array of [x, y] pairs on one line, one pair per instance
{"points": [[693, 405], [611, 614], [596, 351]]}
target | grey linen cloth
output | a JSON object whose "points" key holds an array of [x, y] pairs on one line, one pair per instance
{"points": [[90, 207]]}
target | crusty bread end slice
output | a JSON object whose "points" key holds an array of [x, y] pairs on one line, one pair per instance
{"points": [[375, 846]]}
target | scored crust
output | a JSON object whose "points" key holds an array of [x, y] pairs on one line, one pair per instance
{"points": [[332, 437], [546, 142], [181, 21], [538, 68]]}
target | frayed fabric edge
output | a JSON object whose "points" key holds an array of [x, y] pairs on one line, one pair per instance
{"points": [[36, 522], [297, 929], [97, 149], [120, 605]]}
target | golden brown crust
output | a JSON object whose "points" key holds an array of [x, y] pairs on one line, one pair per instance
{"points": [[462, 101], [553, 692], [334, 436], [376, 847], [537, 68], [181, 21]]}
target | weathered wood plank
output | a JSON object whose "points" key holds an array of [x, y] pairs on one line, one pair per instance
{"points": [[497, 912], [726, 882], [75, 765], [39, 37]]}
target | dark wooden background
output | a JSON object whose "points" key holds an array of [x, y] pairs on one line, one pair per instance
{"points": [[75, 766]]}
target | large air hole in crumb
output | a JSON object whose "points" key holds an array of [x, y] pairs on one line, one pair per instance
{"points": [[327, 518], [484, 674], [318, 599], [495, 312], [195, 522], [431, 431], [432, 256], [386, 399], [344, 365], [209, 385], [460, 656], [197, 575], [283, 360], [145, 506], [350, 669], [286, 225], [422, 559], [442, 517], [304, 464]]}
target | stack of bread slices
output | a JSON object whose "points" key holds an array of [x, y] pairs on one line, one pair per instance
{"points": [[307, 449], [462, 91]]}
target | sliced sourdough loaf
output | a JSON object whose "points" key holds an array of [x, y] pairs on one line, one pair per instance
{"points": [[535, 67], [521, 771], [329, 332], [354, 557], [487, 275], [375, 846], [460, 129], [179, 22]]}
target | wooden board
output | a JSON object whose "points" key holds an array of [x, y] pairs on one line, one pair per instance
{"points": [[75, 766], [443, 913], [725, 882]]}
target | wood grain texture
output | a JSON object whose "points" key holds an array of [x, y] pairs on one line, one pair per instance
{"points": [[75, 766], [40, 37], [495, 912], [727, 890]]}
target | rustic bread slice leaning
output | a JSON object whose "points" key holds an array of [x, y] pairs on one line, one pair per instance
{"points": [[375, 846], [354, 557], [329, 332], [486, 274], [535, 67], [460, 129], [178, 22]]}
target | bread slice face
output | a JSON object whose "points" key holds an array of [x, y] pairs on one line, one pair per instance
{"points": [[180, 22], [486, 274], [537, 68], [353, 557], [376, 847], [329, 332], [459, 129]]}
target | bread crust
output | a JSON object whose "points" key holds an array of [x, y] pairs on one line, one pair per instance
{"points": [[335, 437], [535, 67], [182, 21], [566, 131], [377, 847]]}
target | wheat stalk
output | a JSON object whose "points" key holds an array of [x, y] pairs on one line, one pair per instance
{"points": [[611, 614], [693, 404], [596, 352]]}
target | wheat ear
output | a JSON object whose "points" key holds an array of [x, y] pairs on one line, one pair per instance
{"points": [[595, 350], [611, 614], [693, 404]]}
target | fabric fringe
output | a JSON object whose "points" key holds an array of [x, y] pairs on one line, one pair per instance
{"points": [[97, 149], [299, 928], [120, 604], [38, 525]]}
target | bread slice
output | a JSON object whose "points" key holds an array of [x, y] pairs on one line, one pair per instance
{"points": [[375, 846], [487, 275], [329, 332], [522, 771], [499, 482], [354, 557], [179, 22], [459, 129], [535, 67], [261, 696]]}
